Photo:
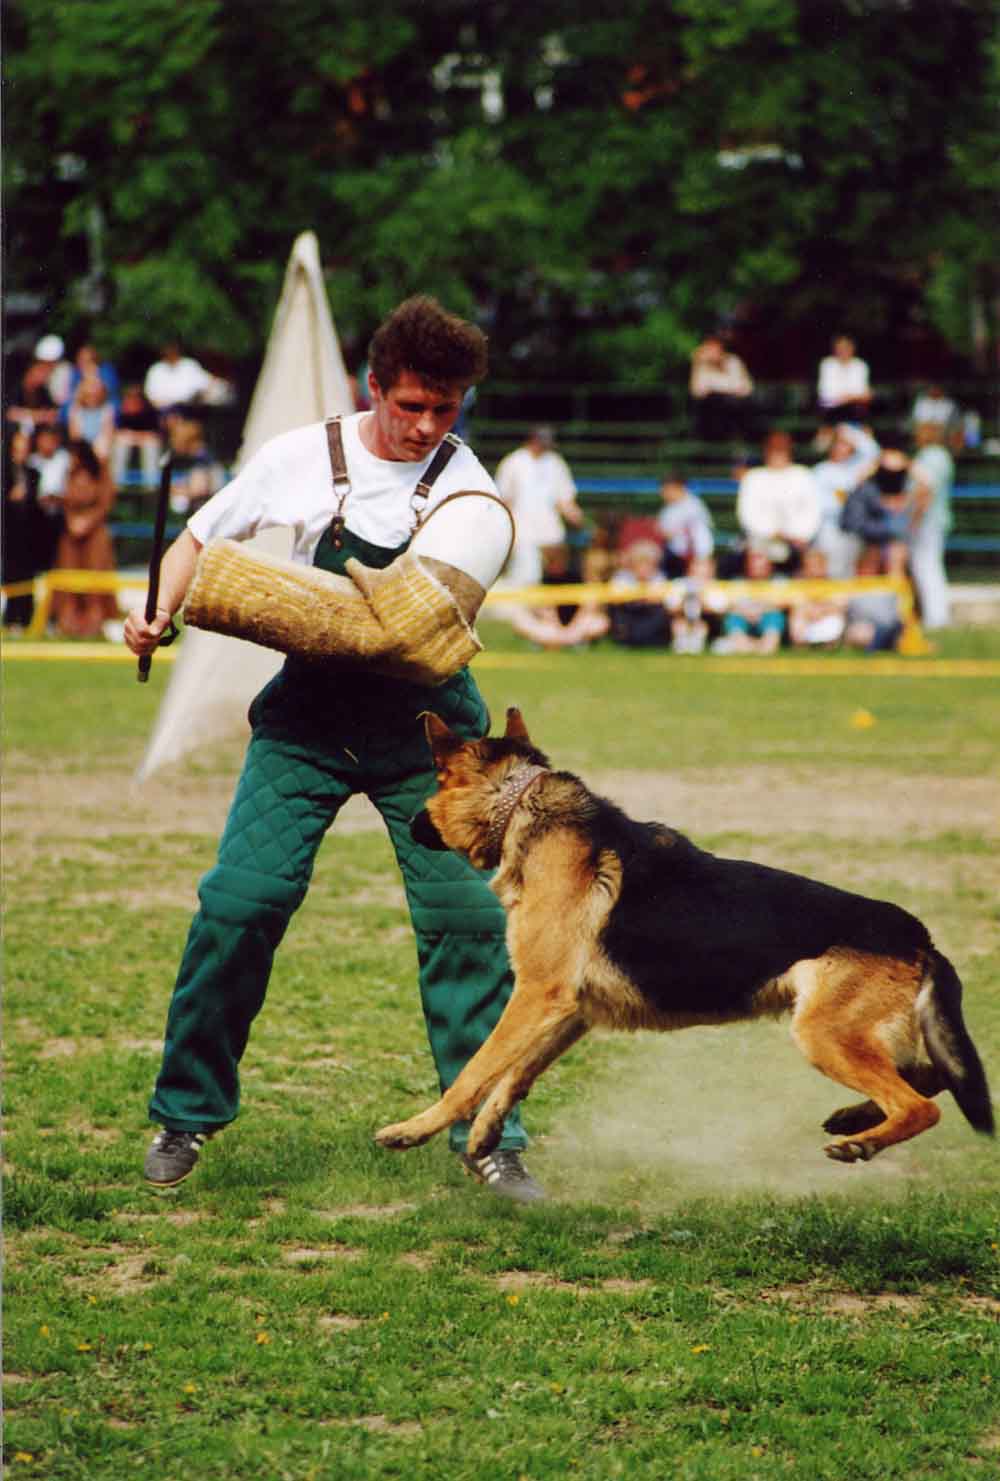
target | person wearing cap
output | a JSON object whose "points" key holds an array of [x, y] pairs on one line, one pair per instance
{"points": [[354, 492], [52, 352], [34, 405]]}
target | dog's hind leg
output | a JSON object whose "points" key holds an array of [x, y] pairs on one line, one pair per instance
{"points": [[512, 1088], [854, 1017], [848, 1119], [531, 1017]]}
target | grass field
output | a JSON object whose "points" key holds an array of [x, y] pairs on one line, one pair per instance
{"points": [[705, 1296]]}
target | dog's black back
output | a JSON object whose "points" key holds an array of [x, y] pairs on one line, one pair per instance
{"points": [[698, 933]]}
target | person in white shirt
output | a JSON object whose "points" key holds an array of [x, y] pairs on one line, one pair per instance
{"points": [[685, 525], [536, 483], [323, 732], [721, 389], [843, 388], [778, 504], [175, 380], [853, 457]]}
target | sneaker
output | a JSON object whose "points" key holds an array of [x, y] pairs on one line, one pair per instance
{"points": [[505, 1174], [172, 1155]]}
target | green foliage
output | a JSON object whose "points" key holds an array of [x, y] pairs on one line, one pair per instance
{"points": [[614, 181]]}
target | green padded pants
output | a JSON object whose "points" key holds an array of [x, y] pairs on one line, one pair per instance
{"points": [[289, 793]]}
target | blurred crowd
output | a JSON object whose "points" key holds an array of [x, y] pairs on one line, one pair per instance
{"points": [[75, 435], [855, 505]]}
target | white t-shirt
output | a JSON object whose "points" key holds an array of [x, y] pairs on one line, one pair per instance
{"points": [[534, 488], [842, 380], [775, 502], [53, 473], [289, 482], [174, 384]]}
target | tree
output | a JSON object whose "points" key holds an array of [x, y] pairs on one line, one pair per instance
{"points": [[596, 185]]}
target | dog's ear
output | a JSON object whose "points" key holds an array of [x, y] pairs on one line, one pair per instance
{"points": [[440, 739], [516, 728]]}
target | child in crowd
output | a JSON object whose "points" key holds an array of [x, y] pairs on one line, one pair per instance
{"points": [[645, 622], [685, 526], [751, 624]]}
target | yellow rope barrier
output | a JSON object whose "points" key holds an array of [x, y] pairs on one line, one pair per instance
{"points": [[782, 593]]}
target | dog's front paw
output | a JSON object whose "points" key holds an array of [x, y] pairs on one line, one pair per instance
{"points": [[402, 1134], [851, 1151]]}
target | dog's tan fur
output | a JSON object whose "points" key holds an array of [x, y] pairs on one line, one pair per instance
{"points": [[854, 1013]]}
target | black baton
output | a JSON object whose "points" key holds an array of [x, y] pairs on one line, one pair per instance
{"points": [[155, 558]]}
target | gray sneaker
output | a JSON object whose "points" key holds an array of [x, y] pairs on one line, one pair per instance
{"points": [[505, 1174], [172, 1155]]}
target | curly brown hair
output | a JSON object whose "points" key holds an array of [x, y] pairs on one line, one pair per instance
{"points": [[422, 337]]}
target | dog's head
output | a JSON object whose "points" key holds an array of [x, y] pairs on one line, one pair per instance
{"points": [[470, 776]]}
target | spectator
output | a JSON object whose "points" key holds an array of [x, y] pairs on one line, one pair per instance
{"points": [[933, 406], [878, 513], [685, 526], [535, 481], [752, 624], [720, 389], [843, 390], [852, 458], [88, 364], [546, 626], [137, 432], [51, 350], [778, 504], [873, 621], [932, 474], [175, 381], [52, 461], [91, 417], [85, 544], [695, 616], [645, 622], [196, 474], [33, 404], [816, 621], [29, 531]]}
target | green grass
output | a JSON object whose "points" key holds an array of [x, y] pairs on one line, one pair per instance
{"points": [[705, 1296]]}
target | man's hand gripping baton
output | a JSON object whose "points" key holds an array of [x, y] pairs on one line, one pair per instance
{"points": [[155, 559]]}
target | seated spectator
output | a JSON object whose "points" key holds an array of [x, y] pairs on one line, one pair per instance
{"points": [[752, 624], [175, 381], [778, 505], [91, 417], [85, 544], [87, 364], [545, 626], [695, 617], [816, 621], [720, 389], [873, 622], [645, 622], [879, 514], [933, 406], [843, 390], [52, 351], [51, 459], [852, 458], [137, 436], [196, 474], [684, 525], [33, 404]]}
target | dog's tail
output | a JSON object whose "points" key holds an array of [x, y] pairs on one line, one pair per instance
{"points": [[951, 1050]]}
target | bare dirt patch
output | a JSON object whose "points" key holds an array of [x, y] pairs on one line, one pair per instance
{"points": [[365, 1211], [377, 1424], [843, 1303], [339, 1321], [309, 1255]]}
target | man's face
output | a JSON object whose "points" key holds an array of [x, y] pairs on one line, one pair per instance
{"points": [[410, 419]]}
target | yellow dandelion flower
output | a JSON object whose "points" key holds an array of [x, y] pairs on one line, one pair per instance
{"points": [[85, 1347], [701, 1347], [43, 1330], [513, 1299], [262, 1339], [24, 1455], [190, 1388], [863, 720]]}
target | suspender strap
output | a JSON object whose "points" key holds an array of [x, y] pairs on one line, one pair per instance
{"points": [[342, 481], [449, 447]]}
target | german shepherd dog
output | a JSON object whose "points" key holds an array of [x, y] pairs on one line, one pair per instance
{"points": [[630, 925]]}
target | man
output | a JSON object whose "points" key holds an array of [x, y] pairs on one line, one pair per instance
{"points": [[322, 732], [721, 389], [932, 472], [852, 458], [843, 390], [175, 381], [778, 504], [535, 481]]}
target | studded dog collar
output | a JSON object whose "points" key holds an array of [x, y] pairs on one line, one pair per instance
{"points": [[511, 792]]}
